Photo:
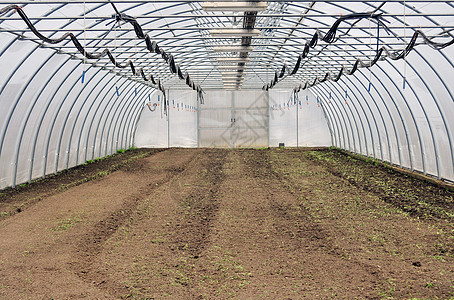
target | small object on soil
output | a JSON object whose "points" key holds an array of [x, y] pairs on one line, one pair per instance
{"points": [[18, 209], [416, 264]]}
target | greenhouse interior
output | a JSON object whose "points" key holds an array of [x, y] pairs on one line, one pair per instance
{"points": [[227, 86]]}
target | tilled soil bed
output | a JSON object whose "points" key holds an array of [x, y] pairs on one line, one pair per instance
{"points": [[219, 224]]}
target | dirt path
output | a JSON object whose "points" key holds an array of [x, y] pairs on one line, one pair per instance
{"points": [[244, 224]]}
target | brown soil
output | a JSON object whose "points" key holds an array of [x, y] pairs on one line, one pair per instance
{"points": [[14, 200], [215, 223]]}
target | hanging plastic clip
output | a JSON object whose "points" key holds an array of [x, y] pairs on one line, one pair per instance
{"points": [[83, 76], [118, 93]]}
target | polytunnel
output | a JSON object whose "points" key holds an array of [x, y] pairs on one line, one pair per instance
{"points": [[81, 80]]}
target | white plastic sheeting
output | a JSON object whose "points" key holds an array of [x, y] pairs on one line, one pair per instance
{"points": [[50, 120], [297, 121], [176, 128], [409, 127], [236, 119]]}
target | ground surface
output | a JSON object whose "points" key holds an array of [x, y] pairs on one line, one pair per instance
{"points": [[213, 223]]}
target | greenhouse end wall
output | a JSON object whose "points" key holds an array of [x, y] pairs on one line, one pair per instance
{"points": [[234, 119]]}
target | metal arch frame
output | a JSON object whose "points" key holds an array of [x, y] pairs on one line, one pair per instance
{"points": [[322, 105], [423, 109], [17, 101], [439, 111], [358, 115], [68, 148], [97, 7], [132, 126], [38, 128], [384, 123], [405, 123], [337, 120], [143, 55], [115, 116], [324, 96], [94, 114], [372, 114], [428, 123], [364, 112], [116, 103], [411, 114], [434, 99], [424, 171], [367, 119], [374, 122], [92, 119], [168, 76], [76, 65], [17, 38], [121, 108], [340, 117], [348, 116], [13, 108], [333, 120], [82, 106], [25, 120], [119, 103], [68, 151], [398, 110], [67, 115], [338, 95], [94, 101], [129, 117], [100, 144], [75, 121], [54, 119], [360, 119], [129, 114], [134, 122], [10, 114]]}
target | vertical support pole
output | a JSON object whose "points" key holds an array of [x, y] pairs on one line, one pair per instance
{"points": [[168, 117], [198, 121], [232, 120], [268, 115], [268, 108], [297, 121]]}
